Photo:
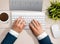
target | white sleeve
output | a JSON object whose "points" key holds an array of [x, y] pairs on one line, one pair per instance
{"points": [[42, 36], [14, 33]]}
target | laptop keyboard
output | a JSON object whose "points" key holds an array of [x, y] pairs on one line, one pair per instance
{"points": [[29, 17]]}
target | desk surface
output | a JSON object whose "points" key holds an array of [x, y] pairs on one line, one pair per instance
{"points": [[26, 37]]}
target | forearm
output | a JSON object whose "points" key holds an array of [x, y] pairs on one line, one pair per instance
{"points": [[10, 37]]}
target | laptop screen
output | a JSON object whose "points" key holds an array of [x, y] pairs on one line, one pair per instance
{"points": [[30, 5]]}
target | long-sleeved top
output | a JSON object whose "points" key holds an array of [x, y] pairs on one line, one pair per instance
{"points": [[12, 36]]}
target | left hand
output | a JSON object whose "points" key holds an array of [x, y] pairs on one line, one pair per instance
{"points": [[18, 25]]}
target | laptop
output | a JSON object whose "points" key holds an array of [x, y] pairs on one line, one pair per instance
{"points": [[27, 9]]}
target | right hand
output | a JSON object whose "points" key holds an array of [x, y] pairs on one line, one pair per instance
{"points": [[18, 25], [36, 27]]}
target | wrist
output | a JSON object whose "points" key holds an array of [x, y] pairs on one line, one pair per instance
{"points": [[42, 36], [16, 30], [14, 33], [40, 32]]}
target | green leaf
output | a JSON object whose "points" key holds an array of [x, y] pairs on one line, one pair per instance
{"points": [[54, 10]]}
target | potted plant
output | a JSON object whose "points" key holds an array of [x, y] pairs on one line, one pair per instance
{"points": [[54, 10]]}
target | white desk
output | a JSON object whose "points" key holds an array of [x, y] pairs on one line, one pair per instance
{"points": [[26, 37]]}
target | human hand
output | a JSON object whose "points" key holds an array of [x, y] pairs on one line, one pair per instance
{"points": [[36, 28], [18, 25]]}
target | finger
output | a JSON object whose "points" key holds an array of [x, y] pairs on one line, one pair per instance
{"points": [[32, 27], [19, 19], [19, 23], [23, 24], [15, 20], [14, 23], [35, 22], [38, 23]]}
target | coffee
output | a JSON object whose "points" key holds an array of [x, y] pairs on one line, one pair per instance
{"points": [[4, 16]]}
